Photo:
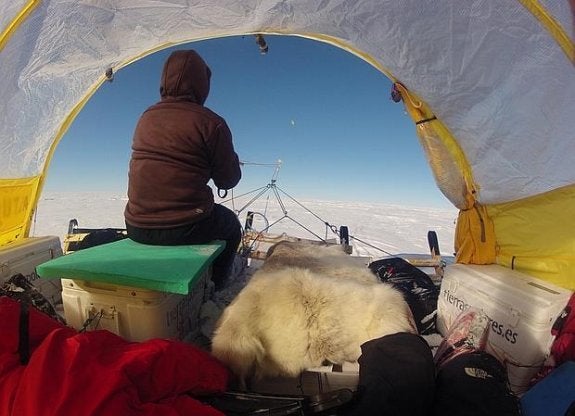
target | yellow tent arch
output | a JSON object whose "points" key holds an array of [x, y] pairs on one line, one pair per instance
{"points": [[490, 86]]}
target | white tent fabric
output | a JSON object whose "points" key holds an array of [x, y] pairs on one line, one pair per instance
{"points": [[9, 12], [491, 71]]}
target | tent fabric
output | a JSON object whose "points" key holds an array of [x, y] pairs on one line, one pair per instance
{"points": [[444, 155], [474, 65], [173, 269], [495, 81], [535, 235], [99, 373], [11, 14], [474, 237], [16, 199]]}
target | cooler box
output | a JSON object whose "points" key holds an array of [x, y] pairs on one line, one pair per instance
{"points": [[134, 290], [521, 309], [135, 314], [24, 255]]}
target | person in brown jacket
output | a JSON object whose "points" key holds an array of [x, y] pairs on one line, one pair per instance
{"points": [[178, 147]]}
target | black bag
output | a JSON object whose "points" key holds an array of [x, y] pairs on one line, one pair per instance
{"points": [[474, 384], [419, 290], [396, 377], [101, 236]]}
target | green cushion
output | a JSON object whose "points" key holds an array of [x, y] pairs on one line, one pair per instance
{"points": [[172, 269]]}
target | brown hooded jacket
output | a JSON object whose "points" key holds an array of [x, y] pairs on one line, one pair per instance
{"points": [[178, 146]]}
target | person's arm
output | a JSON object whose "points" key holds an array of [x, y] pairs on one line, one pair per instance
{"points": [[226, 172]]}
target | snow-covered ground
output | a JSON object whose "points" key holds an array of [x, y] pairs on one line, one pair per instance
{"points": [[377, 229]]}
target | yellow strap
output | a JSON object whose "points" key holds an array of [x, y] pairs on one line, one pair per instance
{"points": [[63, 128], [552, 26], [419, 111], [17, 21]]}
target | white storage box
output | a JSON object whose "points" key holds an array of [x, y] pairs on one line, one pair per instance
{"points": [[23, 256], [133, 313], [521, 309]]}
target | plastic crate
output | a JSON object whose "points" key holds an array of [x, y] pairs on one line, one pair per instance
{"points": [[522, 310], [23, 256], [135, 314]]}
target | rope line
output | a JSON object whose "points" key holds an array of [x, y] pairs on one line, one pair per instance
{"points": [[276, 191], [308, 210], [370, 245], [258, 164]]}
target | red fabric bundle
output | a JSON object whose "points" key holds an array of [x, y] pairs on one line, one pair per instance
{"points": [[100, 373], [563, 348]]}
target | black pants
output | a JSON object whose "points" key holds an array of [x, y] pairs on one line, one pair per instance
{"points": [[397, 377], [222, 224]]}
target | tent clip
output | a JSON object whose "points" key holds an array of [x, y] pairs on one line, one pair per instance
{"points": [[110, 74], [261, 42]]}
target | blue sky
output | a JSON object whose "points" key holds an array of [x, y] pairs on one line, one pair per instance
{"points": [[325, 113]]}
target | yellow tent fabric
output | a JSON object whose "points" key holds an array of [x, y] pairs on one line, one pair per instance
{"points": [[535, 235], [475, 237], [490, 86]]}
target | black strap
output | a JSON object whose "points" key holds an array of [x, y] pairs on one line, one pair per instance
{"points": [[24, 341], [425, 120]]}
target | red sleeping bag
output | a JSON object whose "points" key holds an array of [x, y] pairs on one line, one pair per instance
{"points": [[100, 373]]}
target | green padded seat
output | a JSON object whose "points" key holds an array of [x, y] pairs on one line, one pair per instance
{"points": [[173, 269]]}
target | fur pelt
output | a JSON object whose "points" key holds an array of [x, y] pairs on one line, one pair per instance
{"points": [[287, 319], [325, 259]]}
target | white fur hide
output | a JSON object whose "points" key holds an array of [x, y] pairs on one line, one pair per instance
{"points": [[288, 318]]}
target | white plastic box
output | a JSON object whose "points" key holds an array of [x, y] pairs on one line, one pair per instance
{"points": [[23, 256], [133, 313], [521, 309]]}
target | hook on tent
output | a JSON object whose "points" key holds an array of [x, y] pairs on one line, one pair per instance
{"points": [[110, 74], [396, 93], [261, 42]]}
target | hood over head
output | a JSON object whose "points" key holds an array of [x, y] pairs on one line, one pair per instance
{"points": [[185, 76]]}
